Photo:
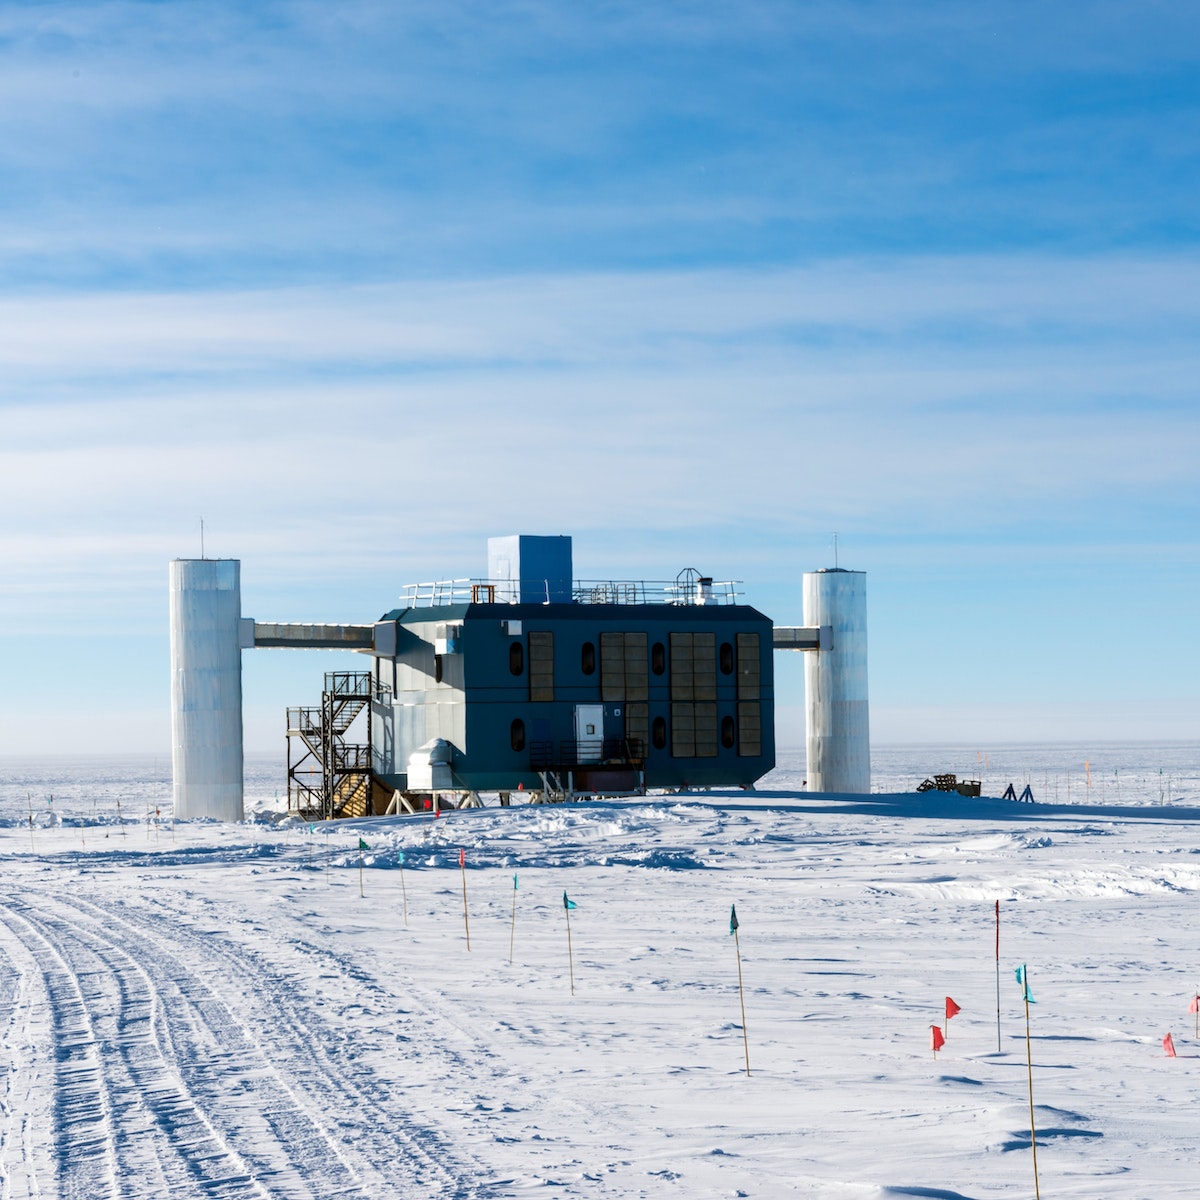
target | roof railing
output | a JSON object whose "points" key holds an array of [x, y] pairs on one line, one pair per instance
{"points": [[698, 591]]}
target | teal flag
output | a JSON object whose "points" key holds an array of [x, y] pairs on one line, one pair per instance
{"points": [[1023, 980], [312, 829], [568, 903], [515, 883], [400, 857], [733, 921], [363, 845]]}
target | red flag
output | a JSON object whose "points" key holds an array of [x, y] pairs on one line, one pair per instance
{"points": [[462, 858], [952, 1009], [1168, 1046], [938, 1040], [1194, 1007]]}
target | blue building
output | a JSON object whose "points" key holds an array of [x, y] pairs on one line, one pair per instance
{"points": [[528, 679]]}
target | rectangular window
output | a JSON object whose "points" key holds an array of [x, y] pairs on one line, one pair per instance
{"points": [[706, 730], [681, 670], [637, 670], [541, 665], [694, 730], [637, 729], [749, 667], [693, 666], [624, 672], [683, 730], [749, 717], [612, 666], [704, 666]]}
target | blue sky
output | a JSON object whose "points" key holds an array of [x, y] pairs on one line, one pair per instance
{"points": [[361, 284]]}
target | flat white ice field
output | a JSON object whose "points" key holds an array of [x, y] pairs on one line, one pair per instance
{"points": [[217, 1012]]}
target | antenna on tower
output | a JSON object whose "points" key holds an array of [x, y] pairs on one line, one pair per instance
{"points": [[835, 556], [201, 537]]}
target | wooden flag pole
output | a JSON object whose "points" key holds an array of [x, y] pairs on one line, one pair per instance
{"points": [[570, 952], [1029, 1064], [567, 906], [1198, 1014], [360, 868], [997, 976], [742, 999], [462, 866], [745, 1037], [120, 819], [32, 847], [403, 889], [513, 931], [737, 946]]}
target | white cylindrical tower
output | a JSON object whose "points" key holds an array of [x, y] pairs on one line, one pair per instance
{"points": [[837, 726], [206, 688]]}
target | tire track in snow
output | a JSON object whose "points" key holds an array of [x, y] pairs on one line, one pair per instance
{"points": [[375, 1141], [163, 1142], [26, 1152], [87, 1163], [182, 1106]]}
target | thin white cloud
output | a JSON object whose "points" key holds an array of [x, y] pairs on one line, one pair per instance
{"points": [[851, 308]]}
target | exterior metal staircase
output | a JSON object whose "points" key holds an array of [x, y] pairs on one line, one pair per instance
{"points": [[329, 777]]}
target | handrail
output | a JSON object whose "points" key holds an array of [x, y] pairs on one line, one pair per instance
{"points": [[587, 752], [444, 592]]}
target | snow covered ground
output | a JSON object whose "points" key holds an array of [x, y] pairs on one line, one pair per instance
{"points": [[217, 1010]]}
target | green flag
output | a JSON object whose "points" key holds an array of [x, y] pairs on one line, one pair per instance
{"points": [[363, 845], [1023, 979]]}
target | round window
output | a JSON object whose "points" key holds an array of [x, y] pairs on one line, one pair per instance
{"points": [[658, 733]]}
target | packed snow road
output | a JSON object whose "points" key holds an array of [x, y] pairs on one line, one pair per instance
{"points": [[184, 1064]]}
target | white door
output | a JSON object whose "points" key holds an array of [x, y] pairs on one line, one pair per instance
{"points": [[589, 732]]}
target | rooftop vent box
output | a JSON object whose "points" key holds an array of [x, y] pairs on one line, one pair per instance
{"points": [[530, 570]]}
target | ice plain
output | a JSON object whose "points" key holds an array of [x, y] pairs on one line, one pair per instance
{"points": [[198, 1009]]}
